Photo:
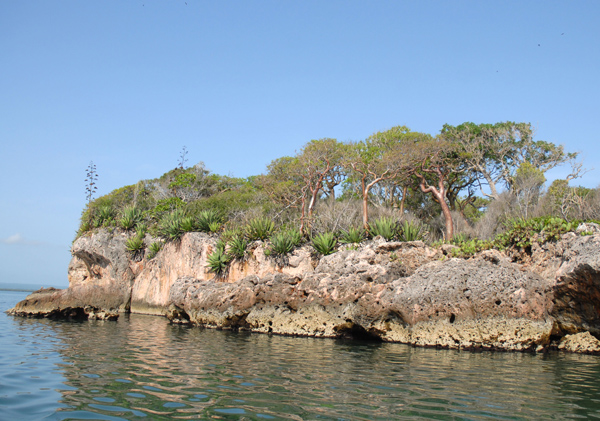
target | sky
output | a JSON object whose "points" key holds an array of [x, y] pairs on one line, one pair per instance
{"points": [[128, 84]]}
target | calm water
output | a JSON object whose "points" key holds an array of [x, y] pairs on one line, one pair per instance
{"points": [[143, 368]]}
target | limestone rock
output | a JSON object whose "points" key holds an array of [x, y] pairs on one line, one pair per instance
{"points": [[582, 342], [392, 291]]}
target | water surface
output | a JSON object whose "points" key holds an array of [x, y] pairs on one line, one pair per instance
{"points": [[141, 367]]}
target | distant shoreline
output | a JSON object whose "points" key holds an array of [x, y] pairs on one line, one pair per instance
{"points": [[24, 288]]}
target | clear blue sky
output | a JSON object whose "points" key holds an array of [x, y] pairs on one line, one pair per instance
{"points": [[128, 83]]}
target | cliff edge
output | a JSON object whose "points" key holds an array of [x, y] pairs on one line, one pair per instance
{"points": [[402, 292]]}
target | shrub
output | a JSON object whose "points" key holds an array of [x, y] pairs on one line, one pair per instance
{"points": [[520, 232], [468, 248], [153, 249], [459, 238], [130, 217], [168, 205], [259, 229], [352, 236], [218, 260], [412, 231], [555, 227], [385, 226], [324, 243], [523, 232]]}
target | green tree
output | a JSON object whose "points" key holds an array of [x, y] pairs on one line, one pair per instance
{"points": [[320, 161], [382, 156], [494, 152], [436, 162]]}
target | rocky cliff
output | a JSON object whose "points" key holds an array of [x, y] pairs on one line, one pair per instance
{"points": [[390, 291]]}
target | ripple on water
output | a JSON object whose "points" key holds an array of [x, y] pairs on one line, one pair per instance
{"points": [[143, 368]]}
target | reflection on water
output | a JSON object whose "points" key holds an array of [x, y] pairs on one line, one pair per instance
{"points": [[143, 368]]}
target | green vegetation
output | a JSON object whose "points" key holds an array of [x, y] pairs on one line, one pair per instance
{"points": [[207, 220], [523, 233], [282, 243], [170, 226], [130, 217], [353, 236], [237, 247], [478, 186], [412, 231], [324, 243], [219, 259], [134, 244], [384, 227], [259, 229], [153, 249]]}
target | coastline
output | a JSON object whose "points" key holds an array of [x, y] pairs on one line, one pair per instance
{"points": [[390, 291]]}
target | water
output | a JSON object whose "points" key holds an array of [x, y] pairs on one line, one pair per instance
{"points": [[143, 368]]}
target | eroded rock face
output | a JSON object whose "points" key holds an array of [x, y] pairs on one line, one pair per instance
{"points": [[468, 304], [60, 304], [390, 291], [100, 279], [188, 258]]}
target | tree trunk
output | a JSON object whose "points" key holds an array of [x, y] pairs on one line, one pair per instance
{"points": [[438, 195], [494, 193], [365, 206], [302, 213], [448, 218], [404, 193]]}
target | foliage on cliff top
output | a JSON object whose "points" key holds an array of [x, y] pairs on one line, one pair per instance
{"points": [[400, 184]]}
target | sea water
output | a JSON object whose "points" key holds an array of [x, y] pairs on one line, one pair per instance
{"points": [[142, 367]]}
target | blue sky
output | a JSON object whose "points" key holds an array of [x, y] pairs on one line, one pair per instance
{"points": [[128, 83]]}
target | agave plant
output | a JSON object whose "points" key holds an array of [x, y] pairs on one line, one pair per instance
{"points": [[130, 217], [105, 216], [282, 243], [170, 225], [237, 248], [325, 243], [385, 227], [153, 249], [206, 218], [218, 260], [412, 231], [141, 229], [259, 229], [230, 233], [188, 224], [214, 226], [134, 244], [352, 236]]}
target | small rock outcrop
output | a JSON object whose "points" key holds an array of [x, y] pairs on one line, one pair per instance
{"points": [[580, 342], [402, 292]]}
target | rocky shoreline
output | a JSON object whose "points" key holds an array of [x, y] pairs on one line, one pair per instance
{"points": [[544, 298]]}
